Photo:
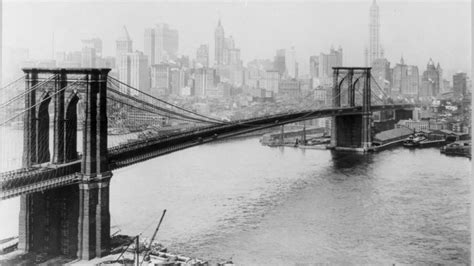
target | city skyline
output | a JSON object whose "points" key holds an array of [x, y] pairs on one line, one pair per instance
{"points": [[321, 131], [452, 53]]}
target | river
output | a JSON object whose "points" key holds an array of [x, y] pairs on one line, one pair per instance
{"points": [[284, 206]]}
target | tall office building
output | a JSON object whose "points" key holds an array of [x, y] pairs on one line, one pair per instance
{"points": [[166, 43], [70, 59], [271, 81], [413, 83], [229, 47], [123, 47], [178, 79], [327, 62], [219, 39], [291, 63], [95, 43], [381, 75], [204, 81], [459, 84], [405, 79], [133, 70], [123, 44], [139, 73], [160, 79], [279, 63], [202, 55], [91, 52], [440, 77], [430, 81], [149, 45], [399, 78], [123, 70], [229, 43], [374, 51], [234, 57], [88, 58], [314, 66]]}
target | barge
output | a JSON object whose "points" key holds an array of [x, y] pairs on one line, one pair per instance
{"points": [[458, 148]]}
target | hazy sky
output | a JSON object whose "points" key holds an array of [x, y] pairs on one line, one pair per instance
{"points": [[417, 30]]}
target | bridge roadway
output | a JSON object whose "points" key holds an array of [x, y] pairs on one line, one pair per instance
{"points": [[42, 177]]}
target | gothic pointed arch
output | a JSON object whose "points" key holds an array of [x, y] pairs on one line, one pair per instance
{"points": [[71, 128], [42, 128]]}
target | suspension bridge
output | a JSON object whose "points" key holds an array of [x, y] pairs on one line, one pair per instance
{"points": [[78, 125]]}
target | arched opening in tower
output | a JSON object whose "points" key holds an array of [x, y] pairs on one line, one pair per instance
{"points": [[43, 128], [71, 129]]}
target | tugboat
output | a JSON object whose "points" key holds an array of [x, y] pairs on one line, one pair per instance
{"points": [[414, 140]]}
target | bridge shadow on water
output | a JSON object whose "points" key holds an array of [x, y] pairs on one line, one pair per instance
{"points": [[345, 160]]}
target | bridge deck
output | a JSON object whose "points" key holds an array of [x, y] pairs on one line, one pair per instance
{"points": [[23, 181]]}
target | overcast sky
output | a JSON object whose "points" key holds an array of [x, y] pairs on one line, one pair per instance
{"points": [[417, 30]]}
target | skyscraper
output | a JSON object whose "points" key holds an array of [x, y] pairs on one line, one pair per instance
{"points": [[160, 79], [204, 81], [327, 62], [95, 43], [413, 77], [229, 46], [399, 78], [123, 47], [149, 45], [219, 44], [123, 69], [202, 55], [291, 63], [459, 84], [123, 44], [139, 73], [430, 81], [381, 75], [314, 66], [279, 62], [440, 76], [271, 81], [133, 70], [405, 79], [374, 51], [166, 43], [234, 57], [178, 80], [88, 58]]}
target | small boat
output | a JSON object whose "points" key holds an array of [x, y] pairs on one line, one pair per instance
{"points": [[226, 263]]}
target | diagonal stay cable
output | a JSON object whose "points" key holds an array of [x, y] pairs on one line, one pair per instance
{"points": [[155, 107], [43, 100], [154, 112], [137, 99], [158, 108], [165, 102], [28, 91], [299, 118], [379, 88], [11, 83]]}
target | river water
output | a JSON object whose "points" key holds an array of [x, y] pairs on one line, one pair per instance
{"points": [[285, 206]]}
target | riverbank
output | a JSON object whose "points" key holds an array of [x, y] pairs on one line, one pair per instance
{"points": [[123, 251]]}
